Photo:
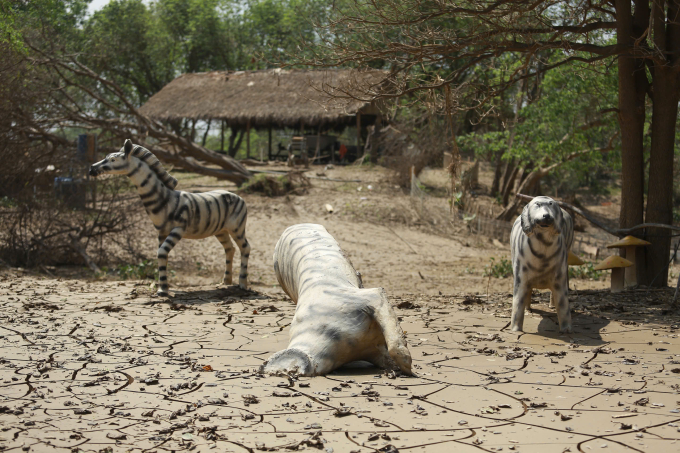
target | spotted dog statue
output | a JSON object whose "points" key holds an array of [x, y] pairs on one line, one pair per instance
{"points": [[540, 241], [336, 320]]}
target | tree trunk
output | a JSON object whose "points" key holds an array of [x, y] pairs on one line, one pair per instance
{"points": [[631, 116], [495, 186], [192, 164], [205, 135], [192, 134], [237, 135], [509, 169], [527, 186], [664, 117], [510, 183]]}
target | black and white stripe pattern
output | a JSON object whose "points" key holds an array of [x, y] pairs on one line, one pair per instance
{"points": [[539, 243], [176, 214]]}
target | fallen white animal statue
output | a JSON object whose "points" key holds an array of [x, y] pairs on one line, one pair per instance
{"points": [[336, 321]]}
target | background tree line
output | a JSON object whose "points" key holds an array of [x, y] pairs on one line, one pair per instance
{"points": [[577, 92]]}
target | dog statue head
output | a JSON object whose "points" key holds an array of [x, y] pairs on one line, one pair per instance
{"points": [[543, 213]]}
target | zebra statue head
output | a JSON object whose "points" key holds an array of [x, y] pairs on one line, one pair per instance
{"points": [[129, 161]]}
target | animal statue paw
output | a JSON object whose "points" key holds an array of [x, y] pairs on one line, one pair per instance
{"points": [[566, 329], [402, 357]]}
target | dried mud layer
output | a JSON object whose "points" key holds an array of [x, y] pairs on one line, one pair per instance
{"points": [[92, 366]]}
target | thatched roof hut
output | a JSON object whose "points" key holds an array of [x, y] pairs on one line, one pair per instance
{"points": [[270, 98]]}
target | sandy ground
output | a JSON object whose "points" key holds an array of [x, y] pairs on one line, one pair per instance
{"points": [[92, 366], [388, 239], [102, 365]]}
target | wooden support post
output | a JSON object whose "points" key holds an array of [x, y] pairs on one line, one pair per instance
{"points": [[270, 143], [358, 132], [376, 133], [303, 146], [91, 148], [248, 139], [222, 136], [318, 142], [333, 154]]}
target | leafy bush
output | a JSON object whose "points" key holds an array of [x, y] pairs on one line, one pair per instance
{"points": [[276, 186], [147, 269], [502, 269], [585, 272]]}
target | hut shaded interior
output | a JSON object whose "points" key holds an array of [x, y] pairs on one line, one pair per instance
{"points": [[320, 100]]}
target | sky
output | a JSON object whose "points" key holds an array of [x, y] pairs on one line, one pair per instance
{"points": [[96, 5]]}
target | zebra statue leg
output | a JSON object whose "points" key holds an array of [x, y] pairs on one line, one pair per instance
{"points": [[225, 240], [239, 237], [163, 251], [244, 247]]}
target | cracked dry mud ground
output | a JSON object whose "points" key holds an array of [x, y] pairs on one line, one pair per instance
{"points": [[91, 366]]}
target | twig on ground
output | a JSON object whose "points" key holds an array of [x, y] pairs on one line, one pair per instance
{"points": [[78, 247], [402, 239], [282, 173]]}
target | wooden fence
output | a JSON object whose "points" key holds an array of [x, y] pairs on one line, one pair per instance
{"points": [[481, 220]]}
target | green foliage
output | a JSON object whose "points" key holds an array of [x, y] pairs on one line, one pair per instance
{"points": [[457, 200], [144, 45], [9, 30], [569, 110], [7, 202], [271, 186], [501, 269], [20, 20], [484, 145], [147, 269], [275, 28], [585, 272], [129, 45]]}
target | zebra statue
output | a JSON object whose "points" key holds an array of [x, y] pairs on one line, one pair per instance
{"points": [[177, 214]]}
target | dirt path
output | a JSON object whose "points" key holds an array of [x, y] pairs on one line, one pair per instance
{"points": [[388, 240]]}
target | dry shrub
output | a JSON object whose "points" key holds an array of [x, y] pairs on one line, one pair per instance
{"points": [[276, 186], [48, 230], [417, 142], [37, 225]]}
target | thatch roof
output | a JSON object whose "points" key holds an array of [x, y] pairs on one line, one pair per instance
{"points": [[267, 98]]}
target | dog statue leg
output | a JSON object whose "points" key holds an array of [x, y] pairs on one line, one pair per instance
{"points": [[560, 291], [520, 301]]}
